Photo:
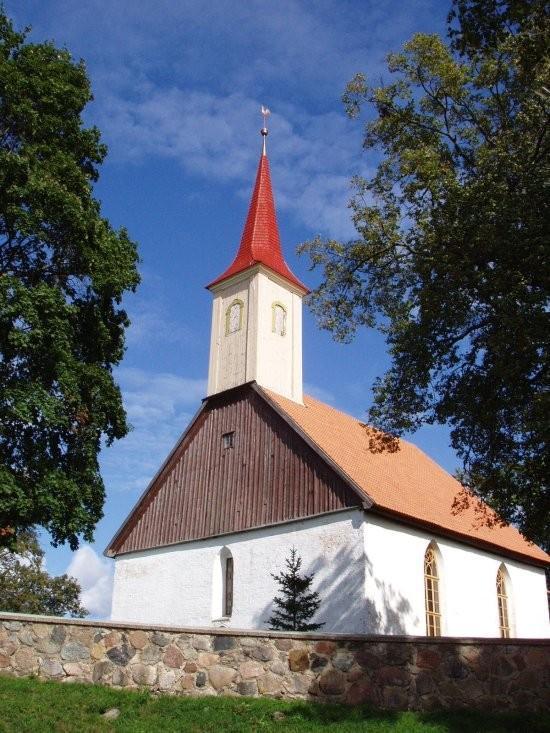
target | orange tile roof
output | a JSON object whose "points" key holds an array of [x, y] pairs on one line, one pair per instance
{"points": [[405, 482]]}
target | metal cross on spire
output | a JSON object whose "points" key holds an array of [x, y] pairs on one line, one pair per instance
{"points": [[264, 131]]}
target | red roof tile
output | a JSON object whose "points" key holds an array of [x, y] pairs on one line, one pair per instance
{"points": [[260, 243], [406, 483]]}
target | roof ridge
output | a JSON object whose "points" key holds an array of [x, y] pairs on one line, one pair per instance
{"points": [[364, 424]]}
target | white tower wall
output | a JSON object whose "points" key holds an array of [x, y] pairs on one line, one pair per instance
{"points": [[256, 351]]}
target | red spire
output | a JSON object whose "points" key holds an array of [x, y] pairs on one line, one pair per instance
{"points": [[260, 242]]}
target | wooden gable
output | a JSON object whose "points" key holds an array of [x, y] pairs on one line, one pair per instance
{"points": [[240, 465]]}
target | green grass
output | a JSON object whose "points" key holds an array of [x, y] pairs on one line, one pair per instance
{"points": [[33, 705]]}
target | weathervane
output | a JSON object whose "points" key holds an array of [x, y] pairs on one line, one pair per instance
{"points": [[264, 131]]}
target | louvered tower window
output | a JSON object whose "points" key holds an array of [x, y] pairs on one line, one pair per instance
{"points": [[502, 598], [431, 587]]}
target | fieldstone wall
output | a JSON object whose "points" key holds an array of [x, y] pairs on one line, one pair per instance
{"points": [[387, 672]]}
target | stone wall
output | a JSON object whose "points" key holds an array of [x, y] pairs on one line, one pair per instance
{"points": [[388, 672]]}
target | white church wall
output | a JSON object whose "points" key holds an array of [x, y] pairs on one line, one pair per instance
{"points": [[368, 570], [529, 608], [394, 585], [176, 585]]}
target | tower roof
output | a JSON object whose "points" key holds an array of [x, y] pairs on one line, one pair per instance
{"points": [[260, 241]]}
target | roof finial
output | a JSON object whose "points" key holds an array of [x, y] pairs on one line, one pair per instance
{"points": [[264, 131]]}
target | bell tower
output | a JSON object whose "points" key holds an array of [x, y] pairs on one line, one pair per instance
{"points": [[257, 308]]}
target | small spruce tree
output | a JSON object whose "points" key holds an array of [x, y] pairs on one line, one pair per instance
{"points": [[297, 604]]}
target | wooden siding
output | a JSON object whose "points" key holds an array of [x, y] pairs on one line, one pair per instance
{"points": [[270, 475]]}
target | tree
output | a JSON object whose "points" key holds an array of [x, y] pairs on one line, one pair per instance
{"points": [[63, 273], [451, 260], [26, 587], [297, 604]]}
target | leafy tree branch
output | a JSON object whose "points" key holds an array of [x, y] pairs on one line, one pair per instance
{"points": [[63, 273], [451, 259]]}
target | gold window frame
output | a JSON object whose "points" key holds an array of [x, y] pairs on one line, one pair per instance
{"points": [[431, 593], [503, 605], [274, 306], [239, 302]]}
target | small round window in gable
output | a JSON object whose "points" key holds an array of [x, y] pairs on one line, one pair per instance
{"points": [[278, 319]]}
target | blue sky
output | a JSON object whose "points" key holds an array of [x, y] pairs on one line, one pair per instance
{"points": [[178, 85]]}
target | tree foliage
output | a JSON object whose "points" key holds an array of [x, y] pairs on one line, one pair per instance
{"points": [[451, 259], [63, 272], [297, 604], [26, 587]]}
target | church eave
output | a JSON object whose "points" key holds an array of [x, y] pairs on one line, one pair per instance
{"points": [[438, 531], [364, 501], [252, 528], [257, 266]]}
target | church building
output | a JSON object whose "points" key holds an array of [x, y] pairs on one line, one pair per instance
{"points": [[263, 468]]}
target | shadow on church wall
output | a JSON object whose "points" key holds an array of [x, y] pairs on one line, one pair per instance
{"points": [[339, 579], [390, 612]]}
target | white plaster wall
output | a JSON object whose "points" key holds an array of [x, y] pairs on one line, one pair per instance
{"points": [[279, 358], [256, 352], [369, 572], [228, 352], [174, 585], [394, 586]]}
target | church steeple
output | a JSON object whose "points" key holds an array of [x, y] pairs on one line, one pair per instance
{"points": [[260, 241], [257, 309]]}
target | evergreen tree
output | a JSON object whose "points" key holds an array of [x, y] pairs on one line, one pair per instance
{"points": [[26, 587], [296, 604]]}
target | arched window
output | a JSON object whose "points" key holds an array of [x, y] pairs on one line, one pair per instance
{"points": [[278, 319], [234, 317], [228, 586], [502, 599], [222, 585], [431, 588]]}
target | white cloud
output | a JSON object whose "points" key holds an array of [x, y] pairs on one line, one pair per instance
{"points": [[319, 393], [149, 397], [159, 407], [165, 75], [311, 46], [210, 135], [185, 81], [95, 575], [151, 324]]}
